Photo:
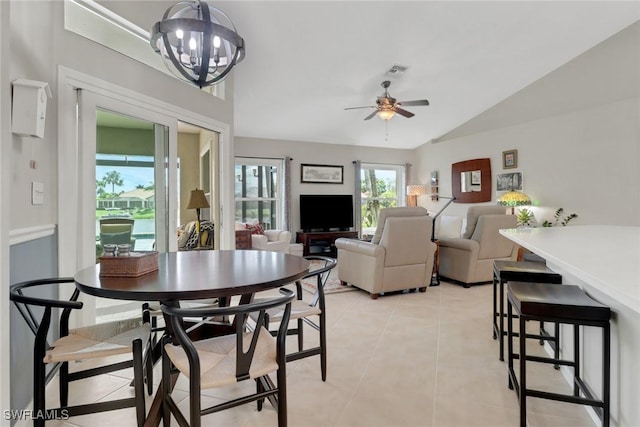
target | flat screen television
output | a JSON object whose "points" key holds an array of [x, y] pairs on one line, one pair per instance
{"points": [[326, 212]]}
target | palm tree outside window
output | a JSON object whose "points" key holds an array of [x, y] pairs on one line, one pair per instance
{"points": [[381, 186]]}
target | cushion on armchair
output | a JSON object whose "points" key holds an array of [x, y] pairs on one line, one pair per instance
{"points": [[447, 226], [188, 239], [405, 211], [475, 212]]}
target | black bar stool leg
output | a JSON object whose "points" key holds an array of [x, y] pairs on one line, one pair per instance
{"points": [[523, 373], [576, 358], [510, 345], [495, 308], [606, 374], [501, 321]]}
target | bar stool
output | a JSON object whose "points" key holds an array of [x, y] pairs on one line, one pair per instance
{"points": [[560, 304], [523, 271]]}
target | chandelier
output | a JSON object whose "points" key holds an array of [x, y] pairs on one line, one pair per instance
{"points": [[197, 42]]}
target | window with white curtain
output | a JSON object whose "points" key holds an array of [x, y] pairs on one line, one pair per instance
{"points": [[259, 190], [381, 186]]}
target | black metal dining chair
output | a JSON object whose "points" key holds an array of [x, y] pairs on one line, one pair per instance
{"points": [[225, 360], [130, 336], [310, 311]]}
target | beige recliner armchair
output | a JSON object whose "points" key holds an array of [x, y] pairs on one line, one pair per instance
{"points": [[400, 255], [469, 259]]}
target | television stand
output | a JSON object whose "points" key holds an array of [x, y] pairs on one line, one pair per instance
{"points": [[322, 242]]}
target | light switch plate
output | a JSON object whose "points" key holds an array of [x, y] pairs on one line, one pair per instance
{"points": [[37, 193]]}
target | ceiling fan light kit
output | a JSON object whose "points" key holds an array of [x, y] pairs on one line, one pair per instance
{"points": [[387, 106], [386, 114], [197, 42]]}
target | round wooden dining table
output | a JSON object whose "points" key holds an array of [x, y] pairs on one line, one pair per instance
{"points": [[193, 275], [203, 274]]}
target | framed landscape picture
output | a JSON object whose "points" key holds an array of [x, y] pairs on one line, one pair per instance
{"points": [[509, 181], [321, 174], [510, 159]]}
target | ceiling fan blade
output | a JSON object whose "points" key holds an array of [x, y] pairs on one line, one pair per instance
{"points": [[414, 103], [371, 115], [405, 113], [357, 108]]}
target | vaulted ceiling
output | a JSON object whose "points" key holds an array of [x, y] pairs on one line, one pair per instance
{"points": [[307, 61]]}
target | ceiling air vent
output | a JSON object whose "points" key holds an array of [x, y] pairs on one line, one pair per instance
{"points": [[397, 70]]}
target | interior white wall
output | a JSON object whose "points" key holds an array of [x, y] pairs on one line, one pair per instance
{"points": [[581, 153], [585, 162], [5, 167], [39, 43], [317, 153]]}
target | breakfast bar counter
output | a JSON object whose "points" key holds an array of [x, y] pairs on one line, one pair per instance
{"points": [[603, 260]]}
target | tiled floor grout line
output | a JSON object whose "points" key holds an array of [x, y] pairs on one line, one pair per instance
{"points": [[363, 375], [435, 382]]}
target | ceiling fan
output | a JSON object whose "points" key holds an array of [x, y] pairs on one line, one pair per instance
{"points": [[387, 106]]}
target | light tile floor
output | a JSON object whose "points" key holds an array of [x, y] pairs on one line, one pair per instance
{"points": [[413, 359]]}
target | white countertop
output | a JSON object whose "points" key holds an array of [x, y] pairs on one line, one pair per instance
{"points": [[606, 257]]}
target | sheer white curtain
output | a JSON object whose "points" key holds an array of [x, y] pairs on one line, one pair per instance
{"points": [[286, 225], [357, 197]]}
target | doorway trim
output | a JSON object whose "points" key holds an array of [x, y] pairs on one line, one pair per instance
{"points": [[69, 258]]}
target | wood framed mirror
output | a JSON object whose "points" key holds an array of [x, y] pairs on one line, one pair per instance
{"points": [[471, 181]]}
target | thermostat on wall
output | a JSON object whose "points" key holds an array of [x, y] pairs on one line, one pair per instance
{"points": [[29, 107]]}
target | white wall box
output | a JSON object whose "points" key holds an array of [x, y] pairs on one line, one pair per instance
{"points": [[29, 107]]}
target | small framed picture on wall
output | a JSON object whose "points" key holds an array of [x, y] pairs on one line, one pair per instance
{"points": [[323, 174], [510, 159]]}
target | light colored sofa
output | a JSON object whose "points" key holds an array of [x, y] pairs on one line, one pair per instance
{"points": [[469, 259], [273, 240], [400, 255]]}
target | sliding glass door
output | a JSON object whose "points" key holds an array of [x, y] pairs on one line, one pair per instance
{"points": [[127, 183]]}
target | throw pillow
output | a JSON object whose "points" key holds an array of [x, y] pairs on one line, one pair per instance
{"points": [[206, 234], [255, 228], [188, 238], [448, 226]]}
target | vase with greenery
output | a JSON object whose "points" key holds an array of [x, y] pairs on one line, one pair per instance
{"points": [[560, 219], [525, 218]]}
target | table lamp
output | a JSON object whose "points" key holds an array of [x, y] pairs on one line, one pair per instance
{"points": [[197, 201], [514, 198], [413, 191]]}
